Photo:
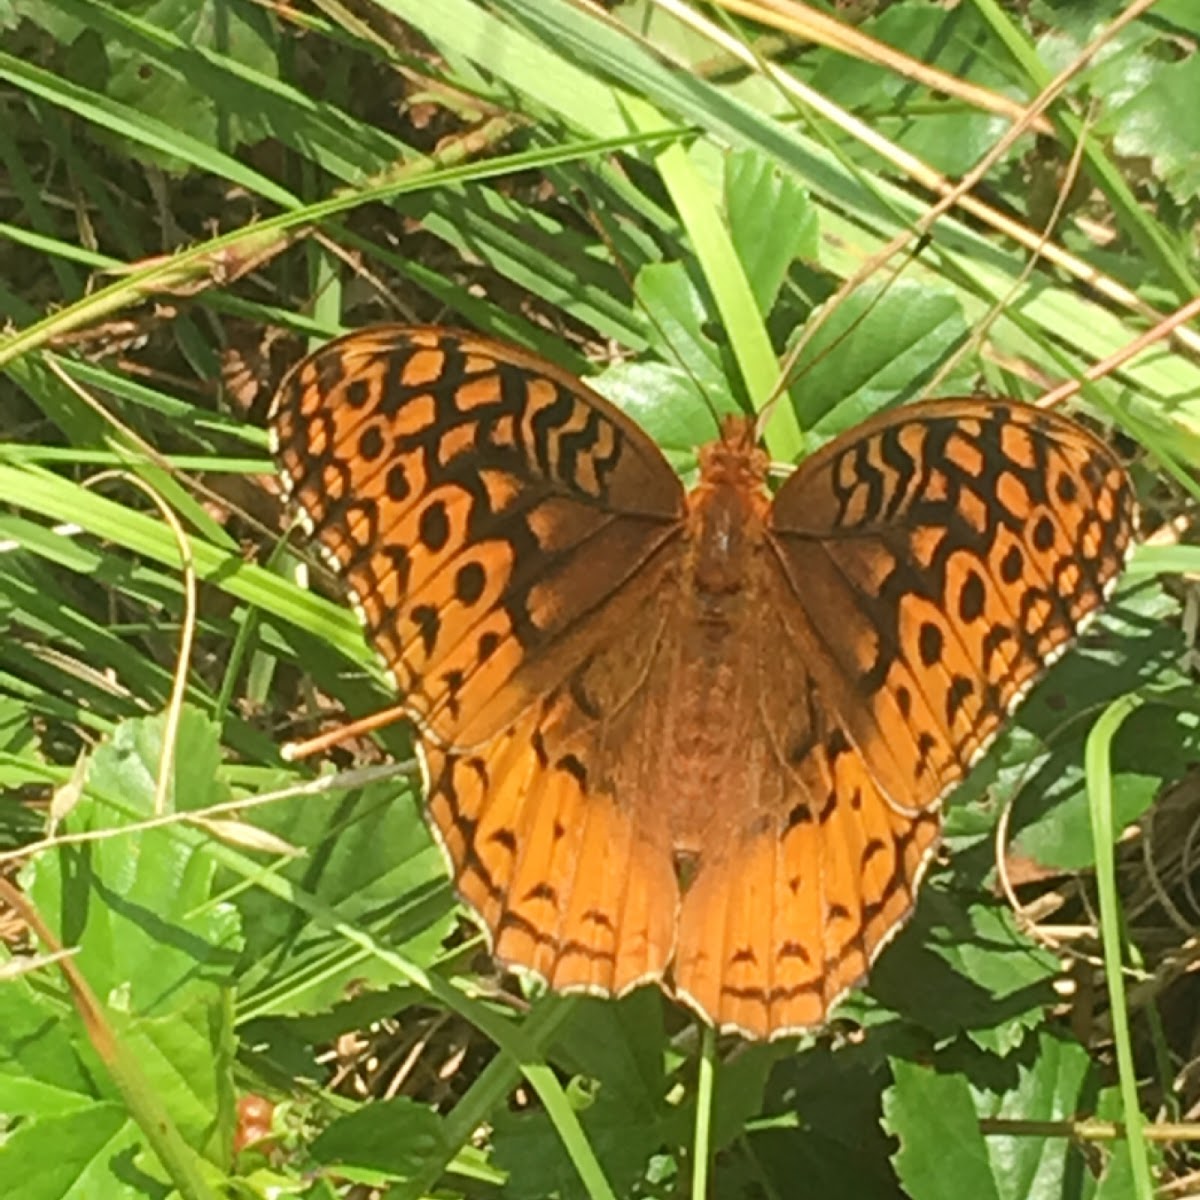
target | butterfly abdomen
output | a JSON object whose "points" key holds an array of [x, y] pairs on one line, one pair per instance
{"points": [[708, 743]]}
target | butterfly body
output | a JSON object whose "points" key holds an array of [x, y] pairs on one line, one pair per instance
{"points": [[699, 739]]}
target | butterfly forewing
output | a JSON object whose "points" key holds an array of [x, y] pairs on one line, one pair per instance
{"points": [[479, 504], [941, 555]]}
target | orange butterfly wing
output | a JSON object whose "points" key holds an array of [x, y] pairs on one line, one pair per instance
{"points": [[928, 565], [697, 741], [491, 515]]}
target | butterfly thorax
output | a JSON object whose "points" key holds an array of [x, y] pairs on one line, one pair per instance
{"points": [[707, 713], [727, 511]]}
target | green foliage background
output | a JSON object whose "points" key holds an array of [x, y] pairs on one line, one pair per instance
{"points": [[190, 192]]}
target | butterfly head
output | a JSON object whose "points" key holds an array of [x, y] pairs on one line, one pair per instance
{"points": [[735, 458]]}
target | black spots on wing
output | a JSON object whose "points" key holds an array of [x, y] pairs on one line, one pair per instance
{"points": [[1066, 489], [829, 807], [870, 850], [505, 839], [400, 562], [836, 744], [959, 691], [358, 393], [996, 636], [904, 701], [479, 766], [433, 528], [454, 681], [469, 582], [429, 625], [972, 597], [371, 443], [1043, 534], [925, 744], [744, 954], [794, 950], [538, 742], [573, 766], [929, 643], [541, 891], [397, 484], [487, 644], [1012, 564], [798, 814]]}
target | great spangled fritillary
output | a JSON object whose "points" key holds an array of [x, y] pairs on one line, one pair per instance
{"points": [[694, 738]]}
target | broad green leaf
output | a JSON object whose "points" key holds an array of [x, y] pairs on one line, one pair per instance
{"points": [[138, 906], [960, 967], [665, 402], [819, 1135], [85, 1153], [1134, 643], [684, 334], [619, 1091], [947, 134]]}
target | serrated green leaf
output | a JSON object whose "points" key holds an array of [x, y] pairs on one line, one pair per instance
{"points": [[879, 347], [123, 73], [681, 322], [961, 968], [1134, 642], [187, 1057], [138, 906], [943, 1152], [771, 220], [1149, 125], [41, 1071], [948, 135], [385, 1139]]}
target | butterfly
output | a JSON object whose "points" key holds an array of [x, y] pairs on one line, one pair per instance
{"points": [[697, 738]]}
